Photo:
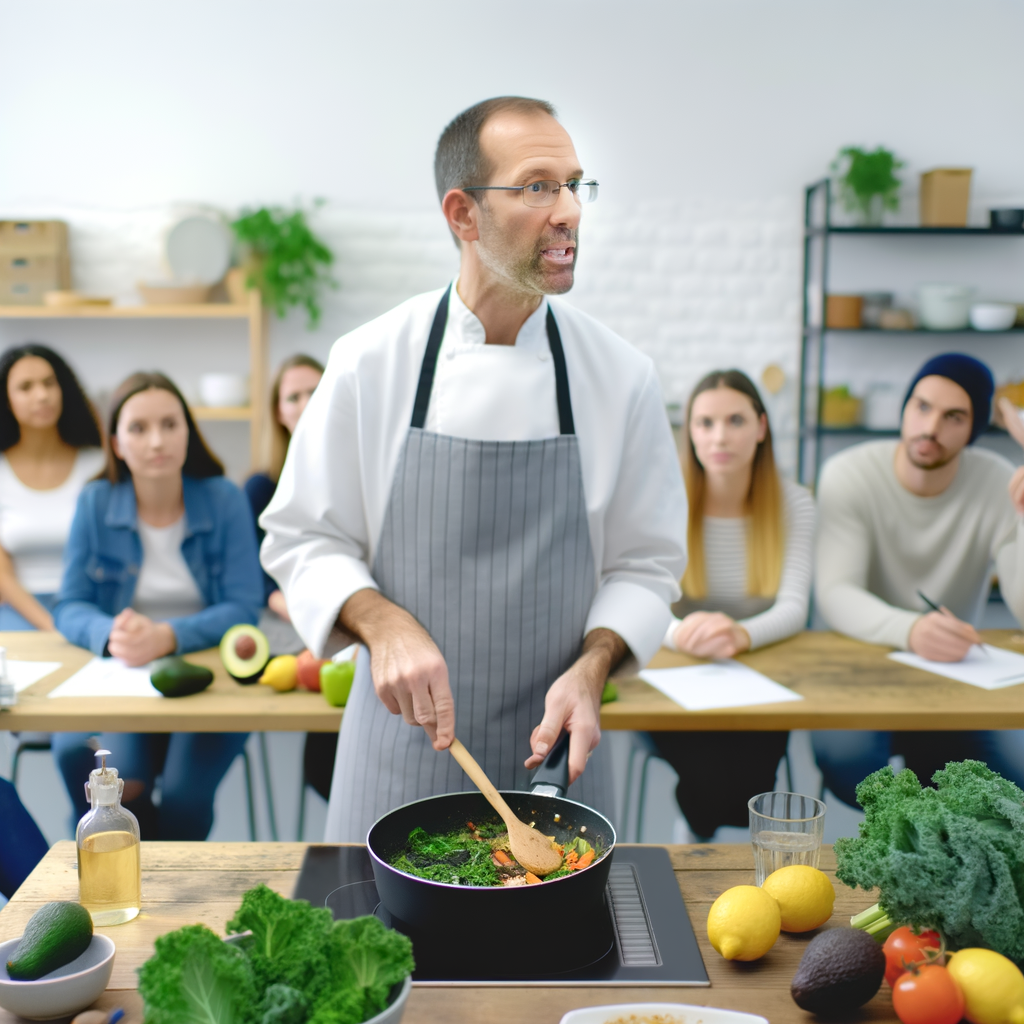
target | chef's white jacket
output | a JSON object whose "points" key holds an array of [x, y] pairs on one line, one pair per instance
{"points": [[324, 522]]}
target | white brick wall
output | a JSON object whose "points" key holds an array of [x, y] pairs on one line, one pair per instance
{"points": [[696, 286]]}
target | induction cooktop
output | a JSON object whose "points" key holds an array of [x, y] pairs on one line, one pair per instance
{"points": [[647, 940]]}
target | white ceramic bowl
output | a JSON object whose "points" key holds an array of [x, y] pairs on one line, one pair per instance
{"points": [[671, 1013], [223, 389], [944, 307], [393, 1013], [993, 316], [63, 992]]}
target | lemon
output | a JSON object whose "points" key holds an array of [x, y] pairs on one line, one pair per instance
{"points": [[805, 896], [282, 673], [993, 987], [744, 922]]}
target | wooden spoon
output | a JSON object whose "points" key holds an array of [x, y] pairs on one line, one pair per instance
{"points": [[529, 846]]}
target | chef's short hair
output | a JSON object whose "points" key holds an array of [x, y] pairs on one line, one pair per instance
{"points": [[458, 161]]}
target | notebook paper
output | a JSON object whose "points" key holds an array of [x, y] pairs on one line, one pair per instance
{"points": [[24, 673], [717, 684], [107, 677], [991, 670]]}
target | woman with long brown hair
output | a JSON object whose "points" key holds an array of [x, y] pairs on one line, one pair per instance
{"points": [[161, 560], [747, 584]]}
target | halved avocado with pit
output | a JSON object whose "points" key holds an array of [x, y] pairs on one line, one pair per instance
{"points": [[245, 652]]}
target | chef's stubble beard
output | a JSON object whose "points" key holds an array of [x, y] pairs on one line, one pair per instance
{"points": [[944, 460], [526, 271]]}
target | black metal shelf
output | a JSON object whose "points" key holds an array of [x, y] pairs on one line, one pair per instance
{"points": [[911, 230], [818, 235], [875, 432], [907, 330]]}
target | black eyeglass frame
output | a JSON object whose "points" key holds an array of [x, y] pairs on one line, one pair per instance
{"points": [[573, 185]]}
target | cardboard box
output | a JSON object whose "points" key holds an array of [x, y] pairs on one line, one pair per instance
{"points": [[34, 259], [945, 193]]}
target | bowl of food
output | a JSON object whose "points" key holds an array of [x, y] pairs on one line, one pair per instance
{"points": [[658, 1013], [61, 992], [222, 390]]}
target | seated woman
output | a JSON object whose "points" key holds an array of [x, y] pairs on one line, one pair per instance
{"points": [[22, 845], [294, 383], [747, 584], [161, 560], [51, 446]]}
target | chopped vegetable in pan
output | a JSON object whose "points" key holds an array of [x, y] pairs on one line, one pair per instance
{"points": [[479, 855]]}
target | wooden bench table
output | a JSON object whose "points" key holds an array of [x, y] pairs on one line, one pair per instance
{"points": [[845, 685], [188, 883]]}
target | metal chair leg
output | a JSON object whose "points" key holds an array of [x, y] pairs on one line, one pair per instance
{"points": [[302, 808], [248, 794], [265, 758]]}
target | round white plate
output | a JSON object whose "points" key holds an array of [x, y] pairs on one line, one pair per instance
{"points": [[198, 250]]}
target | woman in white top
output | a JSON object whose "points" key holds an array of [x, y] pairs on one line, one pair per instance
{"points": [[747, 584], [50, 446]]}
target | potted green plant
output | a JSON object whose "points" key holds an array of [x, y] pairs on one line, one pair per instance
{"points": [[868, 184], [284, 259]]}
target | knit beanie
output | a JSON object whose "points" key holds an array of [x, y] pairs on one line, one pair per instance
{"points": [[972, 375]]}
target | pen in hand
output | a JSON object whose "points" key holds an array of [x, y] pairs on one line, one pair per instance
{"points": [[945, 611]]}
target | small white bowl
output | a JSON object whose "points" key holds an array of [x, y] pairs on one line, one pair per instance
{"points": [[392, 1014], [993, 316], [671, 1013], [221, 390], [63, 992]]}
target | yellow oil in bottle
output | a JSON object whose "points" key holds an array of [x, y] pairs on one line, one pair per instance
{"points": [[110, 877]]}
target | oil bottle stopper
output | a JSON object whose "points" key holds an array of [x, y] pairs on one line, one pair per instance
{"points": [[104, 787]]}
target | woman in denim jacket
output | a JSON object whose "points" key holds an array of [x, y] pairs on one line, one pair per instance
{"points": [[161, 560]]}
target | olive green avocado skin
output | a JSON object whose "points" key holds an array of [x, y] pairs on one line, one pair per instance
{"points": [[56, 934], [176, 677], [841, 969]]}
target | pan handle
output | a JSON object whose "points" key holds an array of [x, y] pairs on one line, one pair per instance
{"points": [[552, 777]]}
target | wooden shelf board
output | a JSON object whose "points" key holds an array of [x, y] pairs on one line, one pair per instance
{"points": [[226, 412], [202, 311]]}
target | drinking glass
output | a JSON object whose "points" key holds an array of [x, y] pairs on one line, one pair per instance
{"points": [[785, 828]]}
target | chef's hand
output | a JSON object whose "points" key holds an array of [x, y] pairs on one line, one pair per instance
{"points": [[409, 672], [573, 702], [137, 640], [941, 636], [710, 635]]}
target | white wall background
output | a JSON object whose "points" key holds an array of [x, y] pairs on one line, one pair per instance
{"points": [[703, 120]]}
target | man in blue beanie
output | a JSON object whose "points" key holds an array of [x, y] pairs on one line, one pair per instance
{"points": [[927, 514]]}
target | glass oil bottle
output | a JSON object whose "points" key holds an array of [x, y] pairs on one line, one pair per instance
{"points": [[109, 867]]}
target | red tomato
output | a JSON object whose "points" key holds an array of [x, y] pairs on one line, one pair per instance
{"points": [[905, 947], [928, 995]]}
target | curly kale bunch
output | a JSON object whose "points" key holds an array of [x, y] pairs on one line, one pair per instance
{"points": [[949, 858]]}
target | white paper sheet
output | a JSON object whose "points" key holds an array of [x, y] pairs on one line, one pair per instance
{"points": [[24, 673], [107, 677], [991, 670], [718, 684]]}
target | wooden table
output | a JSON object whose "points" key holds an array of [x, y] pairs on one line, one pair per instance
{"points": [[186, 883], [845, 685]]}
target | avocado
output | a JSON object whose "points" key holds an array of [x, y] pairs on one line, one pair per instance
{"points": [[176, 677], [841, 969], [56, 934], [245, 652]]}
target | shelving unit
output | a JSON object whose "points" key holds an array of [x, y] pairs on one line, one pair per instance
{"points": [[252, 313], [818, 235]]}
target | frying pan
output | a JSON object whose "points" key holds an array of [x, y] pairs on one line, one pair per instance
{"points": [[478, 925]]}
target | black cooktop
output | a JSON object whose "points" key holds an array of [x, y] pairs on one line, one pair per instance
{"points": [[648, 941]]}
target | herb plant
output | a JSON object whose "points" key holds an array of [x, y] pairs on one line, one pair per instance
{"points": [[867, 175], [287, 262]]}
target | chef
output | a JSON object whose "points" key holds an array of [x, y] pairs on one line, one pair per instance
{"points": [[484, 492]]}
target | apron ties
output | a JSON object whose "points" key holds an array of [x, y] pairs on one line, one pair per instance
{"points": [[487, 544]]}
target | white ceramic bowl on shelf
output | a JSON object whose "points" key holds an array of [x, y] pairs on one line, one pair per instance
{"points": [[221, 390], [944, 307], [63, 992], [993, 316]]}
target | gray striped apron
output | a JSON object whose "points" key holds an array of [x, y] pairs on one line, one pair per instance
{"points": [[487, 544]]}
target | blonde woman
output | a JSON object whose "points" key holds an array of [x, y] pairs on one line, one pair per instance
{"points": [[294, 383], [747, 584]]}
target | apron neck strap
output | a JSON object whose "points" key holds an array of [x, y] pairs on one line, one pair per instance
{"points": [[566, 424]]}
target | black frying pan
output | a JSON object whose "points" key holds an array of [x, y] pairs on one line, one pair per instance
{"points": [[477, 924]]}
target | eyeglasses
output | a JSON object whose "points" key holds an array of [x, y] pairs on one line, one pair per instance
{"points": [[544, 193]]}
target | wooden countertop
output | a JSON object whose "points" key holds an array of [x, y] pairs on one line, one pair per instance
{"points": [[845, 685], [187, 883]]}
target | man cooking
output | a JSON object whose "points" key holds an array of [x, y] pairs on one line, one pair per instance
{"points": [[484, 492]]}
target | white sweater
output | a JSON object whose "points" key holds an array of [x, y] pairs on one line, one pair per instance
{"points": [[878, 544], [766, 619]]}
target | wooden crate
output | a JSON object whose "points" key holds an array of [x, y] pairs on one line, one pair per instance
{"points": [[34, 260]]}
